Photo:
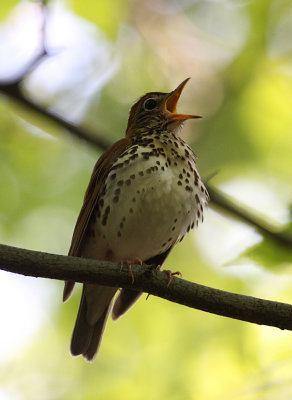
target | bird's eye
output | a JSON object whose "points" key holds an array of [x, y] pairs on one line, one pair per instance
{"points": [[150, 104]]}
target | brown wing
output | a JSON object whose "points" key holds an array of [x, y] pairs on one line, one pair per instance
{"points": [[99, 174]]}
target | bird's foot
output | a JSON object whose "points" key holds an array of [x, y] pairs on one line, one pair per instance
{"points": [[171, 275], [129, 264]]}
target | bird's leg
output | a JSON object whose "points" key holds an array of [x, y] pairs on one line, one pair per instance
{"points": [[169, 274], [129, 263]]}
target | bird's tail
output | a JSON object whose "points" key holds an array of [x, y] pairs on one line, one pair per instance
{"points": [[92, 315], [125, 300]]}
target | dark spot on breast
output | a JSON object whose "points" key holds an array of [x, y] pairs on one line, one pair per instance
{"points": [[179, 183], [113, 176], [197, 198], [148, 170], [131, 210], [141, 173], [116, 199], [134, 149], [128, 182], [158, 162], [132, 176], [117, 191], [120, 183], [186, 180], [198, 214], [119, 234], [133, 200], [192, 226], [180, 176], [121, 225]]}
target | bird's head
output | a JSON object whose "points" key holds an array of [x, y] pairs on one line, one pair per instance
{"points": [[157, 110]]}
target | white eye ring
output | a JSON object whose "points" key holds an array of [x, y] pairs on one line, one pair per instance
{"points": [[150, 104]]}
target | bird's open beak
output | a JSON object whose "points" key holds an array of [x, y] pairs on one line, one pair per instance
{"points": [[171, 102]]}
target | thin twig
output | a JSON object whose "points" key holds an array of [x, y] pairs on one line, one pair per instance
{"points": [[13, 90], [228, 204], [150, 280]]}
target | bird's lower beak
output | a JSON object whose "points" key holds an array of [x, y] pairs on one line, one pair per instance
{"points": [[171, 102]]}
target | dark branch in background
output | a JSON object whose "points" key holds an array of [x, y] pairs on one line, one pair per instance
{"points": [[12, 89], [245, 308], [231, 206]]}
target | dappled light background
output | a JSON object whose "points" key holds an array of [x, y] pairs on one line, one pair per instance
{"points": [[102, 57]]}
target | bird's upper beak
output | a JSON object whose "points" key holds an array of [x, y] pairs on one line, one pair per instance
{"points": [[171, 102]]}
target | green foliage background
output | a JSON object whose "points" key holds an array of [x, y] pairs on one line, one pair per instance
{"points": [[239, 57]]}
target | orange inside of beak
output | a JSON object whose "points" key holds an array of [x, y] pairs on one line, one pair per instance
{"points": [[171, 103]]}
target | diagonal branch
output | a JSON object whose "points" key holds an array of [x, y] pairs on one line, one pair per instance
{"points": [[245, 308], [226, 203], [13, 91], [12, 88]]}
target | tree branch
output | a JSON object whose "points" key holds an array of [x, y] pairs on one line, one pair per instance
{"points": [[148, 279], [12, 88], [226, 203]]}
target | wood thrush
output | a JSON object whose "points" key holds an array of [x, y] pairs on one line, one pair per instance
{"points": [[144, 195]]}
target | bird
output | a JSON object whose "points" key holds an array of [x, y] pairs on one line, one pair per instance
{"points": [[145, 194]]}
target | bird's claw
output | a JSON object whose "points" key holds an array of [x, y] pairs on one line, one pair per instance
{"points": [[170, 275], [129, 263]]}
